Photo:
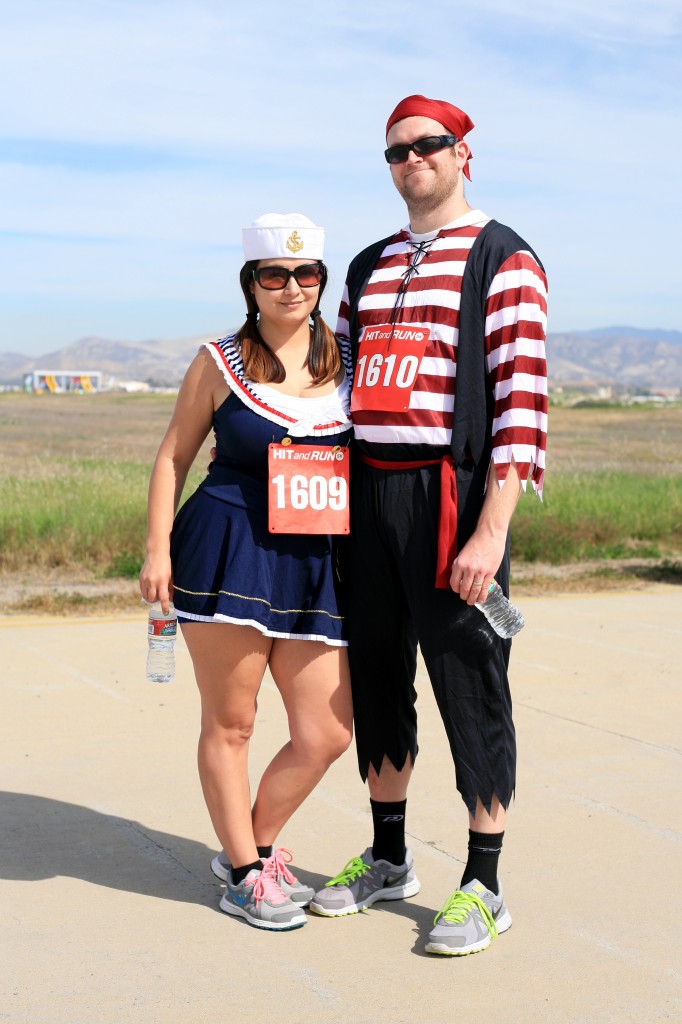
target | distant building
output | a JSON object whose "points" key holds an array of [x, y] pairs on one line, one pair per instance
{"points": [[57, 382], [133, 387]]}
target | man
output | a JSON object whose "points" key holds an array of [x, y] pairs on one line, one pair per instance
{"points": [[447, 318]]}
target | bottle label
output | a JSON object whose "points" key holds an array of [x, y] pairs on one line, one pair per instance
{"points": [[163, 628]]}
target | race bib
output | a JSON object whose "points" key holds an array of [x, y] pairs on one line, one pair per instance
{"points": [[308, 489], [388, 363]]}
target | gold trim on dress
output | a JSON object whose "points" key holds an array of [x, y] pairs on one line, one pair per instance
{"points": [[244, 597]]}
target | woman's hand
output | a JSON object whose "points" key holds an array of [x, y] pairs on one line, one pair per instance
{"points": [[156, 582]]}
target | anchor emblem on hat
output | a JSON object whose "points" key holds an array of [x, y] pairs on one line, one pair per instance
{"points": [[294, 242]]}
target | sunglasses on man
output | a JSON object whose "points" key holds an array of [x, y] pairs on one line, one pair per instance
{"points": [[422, 147], [309, 275]]}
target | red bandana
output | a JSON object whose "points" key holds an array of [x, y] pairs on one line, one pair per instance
{"points": [[452, 118]]}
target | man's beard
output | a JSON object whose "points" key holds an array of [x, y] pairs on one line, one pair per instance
{"points": [[422, 202]]}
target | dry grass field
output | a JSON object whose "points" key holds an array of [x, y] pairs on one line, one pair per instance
{"points": [[639, 439], [47, 435], [645, 440], [107, 426]]}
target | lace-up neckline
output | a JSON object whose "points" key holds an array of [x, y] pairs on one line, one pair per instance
{"points": [[418, 252]]}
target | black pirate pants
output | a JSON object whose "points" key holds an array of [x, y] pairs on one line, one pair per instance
{"points": [[393, 606]]}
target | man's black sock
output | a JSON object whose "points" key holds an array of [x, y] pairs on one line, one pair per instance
{"points": [[484, 853], [389, 830]]}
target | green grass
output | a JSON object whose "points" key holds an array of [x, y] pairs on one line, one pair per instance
{"points": [[81, 513], [600, 515], [91, 514]]}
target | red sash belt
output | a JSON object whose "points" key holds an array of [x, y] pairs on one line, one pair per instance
{"points": [[447, 518]]}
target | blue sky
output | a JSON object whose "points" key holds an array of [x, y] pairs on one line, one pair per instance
{"points": [[137, 137]]}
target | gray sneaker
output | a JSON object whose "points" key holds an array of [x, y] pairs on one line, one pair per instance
{"points": [[261, 902], [363, 882], [471, 917], [297, 892]]}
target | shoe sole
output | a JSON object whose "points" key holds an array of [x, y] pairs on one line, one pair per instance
{"points": [[503, 924], [398, 892], [443, 950], [300, 899], [218, 870], [273, 926]]}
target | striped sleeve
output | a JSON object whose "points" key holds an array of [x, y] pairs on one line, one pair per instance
{"points": [[515, 330], [343, 319]]}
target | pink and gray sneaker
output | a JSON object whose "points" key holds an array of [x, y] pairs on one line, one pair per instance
{"points": [[281, 858], [261, 902]]}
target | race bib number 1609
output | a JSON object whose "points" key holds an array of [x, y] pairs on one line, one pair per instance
{"points": [[308, 489]]}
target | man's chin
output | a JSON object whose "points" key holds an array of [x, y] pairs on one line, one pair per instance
{"points": [[416, 191]]}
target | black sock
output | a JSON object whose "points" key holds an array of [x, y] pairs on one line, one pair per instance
{"points": [[389, 830], [484, 853], [264, 851], [239, 874]]}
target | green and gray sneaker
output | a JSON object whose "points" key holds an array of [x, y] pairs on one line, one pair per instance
{"points": [[363, 882], [470, 918], [261, 902], [297, 892]]}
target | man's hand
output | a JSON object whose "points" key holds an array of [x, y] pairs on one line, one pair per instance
{"points": [[475, 566]]}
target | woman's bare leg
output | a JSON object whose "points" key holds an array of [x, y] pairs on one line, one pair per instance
{"points": [[314, 682], [229, 662]]}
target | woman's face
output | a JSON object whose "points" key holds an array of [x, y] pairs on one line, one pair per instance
{"points": [[291, 304]]}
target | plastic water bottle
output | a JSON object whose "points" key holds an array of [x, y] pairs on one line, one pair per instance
{"points": [[161, 633], [503, 616]]}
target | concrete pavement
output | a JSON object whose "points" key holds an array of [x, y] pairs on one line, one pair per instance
{"points": [[109, 910]]}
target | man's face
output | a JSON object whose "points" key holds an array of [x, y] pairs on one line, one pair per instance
{"points": [[425, 181]]}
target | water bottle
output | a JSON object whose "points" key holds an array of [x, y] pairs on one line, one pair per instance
{"points": [[503, 616], [161, 632]]}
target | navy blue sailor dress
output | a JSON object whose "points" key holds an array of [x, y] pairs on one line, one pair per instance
{"points": [[227, 566]]}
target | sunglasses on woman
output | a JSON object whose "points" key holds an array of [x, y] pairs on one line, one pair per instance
{"points": [[422, 147], [309, 275]]}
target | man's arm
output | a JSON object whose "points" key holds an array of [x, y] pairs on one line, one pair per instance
{"points": [[478, 561], [515, 328]]}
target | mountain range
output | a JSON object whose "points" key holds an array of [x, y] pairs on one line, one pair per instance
{"points": [[626, 358]]}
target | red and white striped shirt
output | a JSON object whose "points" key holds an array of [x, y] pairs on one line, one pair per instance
{"points": [[515, 329]]}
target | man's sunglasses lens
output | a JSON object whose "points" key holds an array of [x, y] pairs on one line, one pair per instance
{"points": [[422, 147], [274, 278]]}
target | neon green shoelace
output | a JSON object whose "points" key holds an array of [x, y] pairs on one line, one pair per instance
{"points": [[460, 904], [355, 868]]}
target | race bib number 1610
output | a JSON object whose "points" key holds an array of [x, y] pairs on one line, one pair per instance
{"points": [[388, 362], [308, 489]]}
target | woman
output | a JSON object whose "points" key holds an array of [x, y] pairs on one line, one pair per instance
{"points": [[248, 598]]}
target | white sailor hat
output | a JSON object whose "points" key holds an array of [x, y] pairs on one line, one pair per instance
{"points": [[278, 235]]}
